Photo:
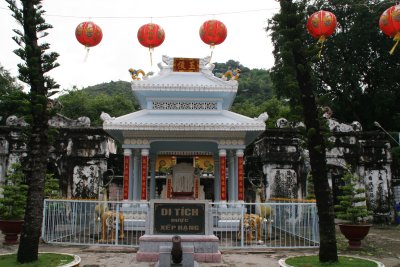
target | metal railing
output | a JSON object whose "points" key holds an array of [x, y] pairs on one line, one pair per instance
{"points": [[237, 225], [281, 225], [83, 222]]}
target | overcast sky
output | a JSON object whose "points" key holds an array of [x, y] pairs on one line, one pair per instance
{"points": [[247, 41]]}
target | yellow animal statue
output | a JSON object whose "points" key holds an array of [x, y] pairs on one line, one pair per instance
{"points": [[262, 209], [102, 207], [229, 75], [252, 223], [135, 73], [109, 221]]}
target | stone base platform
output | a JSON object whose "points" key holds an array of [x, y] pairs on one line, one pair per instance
{"points": [[205, 247]]}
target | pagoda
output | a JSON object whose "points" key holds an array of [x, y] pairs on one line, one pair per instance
{"points": [[184, 142]]}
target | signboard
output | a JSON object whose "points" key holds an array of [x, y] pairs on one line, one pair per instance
{"points": [[179, 218], [186, 65]]}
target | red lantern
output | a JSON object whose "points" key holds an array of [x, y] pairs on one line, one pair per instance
{"points": [[213, 32], [89, 34], [321, 24], [151, 35], [389, 23]]}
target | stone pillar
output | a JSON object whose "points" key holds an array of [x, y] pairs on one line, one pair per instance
{"points": [[127, 165], [145, 159], [152, 176], [136, 178], [216, 180], [231, 169], [240, 172], [222, 174]]}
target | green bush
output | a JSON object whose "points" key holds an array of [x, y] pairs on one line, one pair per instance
{"points": [[51, 187], [14, 191], [351, 205]]}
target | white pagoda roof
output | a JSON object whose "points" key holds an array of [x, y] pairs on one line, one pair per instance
{"points": [[218, 120], [191, 103], [173, 85]]}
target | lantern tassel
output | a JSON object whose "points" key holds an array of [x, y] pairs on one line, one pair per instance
{"points": [[321, 41], [397, 40], [212, 50], [87, 48], [151, 56]]}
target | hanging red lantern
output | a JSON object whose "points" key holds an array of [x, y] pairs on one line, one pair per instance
{"points": [[88, 33], [389, 23], [151, 35], [213, 32], [321, 25]]}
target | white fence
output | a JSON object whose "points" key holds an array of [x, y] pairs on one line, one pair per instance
{"points": [[237, 225]]}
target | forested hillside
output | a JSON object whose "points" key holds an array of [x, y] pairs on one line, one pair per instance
{"points": [[114, 98]]}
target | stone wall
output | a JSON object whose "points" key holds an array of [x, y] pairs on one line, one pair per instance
{"points": [[77, 157], [283, 163]]}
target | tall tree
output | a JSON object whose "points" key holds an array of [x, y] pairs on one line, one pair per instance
{"points": [[7, 82], [13, 100], [356, 70], [293, 70], [36, 62]]}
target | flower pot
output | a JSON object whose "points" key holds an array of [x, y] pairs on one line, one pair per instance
{"points": [[354, 233], [11, 229]]}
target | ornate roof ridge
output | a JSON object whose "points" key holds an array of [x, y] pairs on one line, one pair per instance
{"points": [[156, 82]]}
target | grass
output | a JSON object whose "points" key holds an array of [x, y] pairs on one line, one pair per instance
{"points": [[45, 259], [312, 261]]}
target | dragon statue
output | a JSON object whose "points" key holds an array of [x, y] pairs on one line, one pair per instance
{"points": [[135, 74], [230, 75]]}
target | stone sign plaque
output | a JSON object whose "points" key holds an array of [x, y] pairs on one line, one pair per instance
{"points": [[179, 218]]}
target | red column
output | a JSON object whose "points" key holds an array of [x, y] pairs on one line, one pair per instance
{"points": [[239, 154], [127, 160], [145, 158], [222, 173]]}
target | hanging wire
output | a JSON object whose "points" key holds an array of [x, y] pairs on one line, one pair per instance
{"points": [[312, 3], [160, 17]]}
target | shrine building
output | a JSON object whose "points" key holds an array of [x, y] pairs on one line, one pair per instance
{"points": [[184, 143]]}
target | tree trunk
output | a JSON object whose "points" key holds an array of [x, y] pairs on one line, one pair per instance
{"points": [[315, 141], [316, 147], [38, 143]]}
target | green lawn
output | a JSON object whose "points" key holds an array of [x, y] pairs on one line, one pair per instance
{"points": [[45, 259], [312, 261]]}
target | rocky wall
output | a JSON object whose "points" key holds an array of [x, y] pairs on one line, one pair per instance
{"points": [[284, 162], [78, 153]]}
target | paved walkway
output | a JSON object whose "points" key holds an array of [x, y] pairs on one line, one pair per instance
{"points": [[382, 244], [125, 257]]}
